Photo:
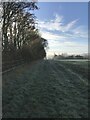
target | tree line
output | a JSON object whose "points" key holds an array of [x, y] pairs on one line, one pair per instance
{"points": [[65, 56], [20, 37]]}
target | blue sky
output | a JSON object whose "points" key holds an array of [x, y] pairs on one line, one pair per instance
{"points": [[65, 26]]}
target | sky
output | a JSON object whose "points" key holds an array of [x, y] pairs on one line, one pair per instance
{"points": [[64, 25]]}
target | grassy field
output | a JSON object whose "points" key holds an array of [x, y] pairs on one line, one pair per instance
{"points": [[46, 89]]}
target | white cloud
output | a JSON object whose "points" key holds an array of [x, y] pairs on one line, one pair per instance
{"points": [[81, 31], [62, 43], [58, 19], [57, 24], [51, 36], [69, 26], [64, 37], [52, 25]]}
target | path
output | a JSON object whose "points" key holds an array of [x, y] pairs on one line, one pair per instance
{"points": [[47, 89]]}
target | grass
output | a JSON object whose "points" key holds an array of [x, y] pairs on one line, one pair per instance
{"points": [[47, 89]]}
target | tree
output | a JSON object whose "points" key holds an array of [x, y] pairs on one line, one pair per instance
{"points": [[19, 32]]}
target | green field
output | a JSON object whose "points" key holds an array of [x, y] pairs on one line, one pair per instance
{"points": [[46, 89]]}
